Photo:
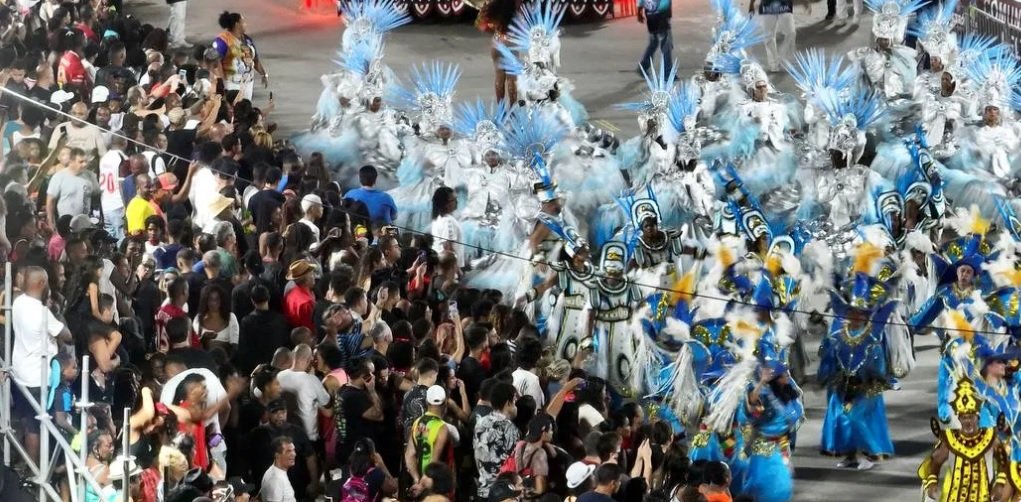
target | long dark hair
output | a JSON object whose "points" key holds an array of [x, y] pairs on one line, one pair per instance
{"points": [[500, 13], [361, 457], [208, 290], [77, 287], [441, 200]]}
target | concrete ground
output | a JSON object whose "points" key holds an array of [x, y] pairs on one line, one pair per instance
{"points": [[600, 58]]}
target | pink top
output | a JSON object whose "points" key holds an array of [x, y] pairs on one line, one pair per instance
{"points": [[56, 247]]}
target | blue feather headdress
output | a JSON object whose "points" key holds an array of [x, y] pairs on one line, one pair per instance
{"points": [[811, 71], [726, 11], [480, 121], [996, 77], [850, 117], [683, 108], [359, 59], [891, 17], [573, 241], [530, 135], [915, 183], [430, 94], [373, 16], [537, 22], [864, 105], [935, 30], [735, 35], [660, 87], [973, 46]]}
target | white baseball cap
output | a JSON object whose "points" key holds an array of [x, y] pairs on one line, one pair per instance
{"points": [[60, 97], [100, 94], [435, 395]]}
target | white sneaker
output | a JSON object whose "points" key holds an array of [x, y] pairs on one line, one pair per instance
{"points": [[856, 19], [865, 464], [848, 463]]}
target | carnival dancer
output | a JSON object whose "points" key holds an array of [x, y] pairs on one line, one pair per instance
{"points": [[613, 301], [995, 142], [813, 72], [775, 411], [655, 246], [574, 279], [955, 270], [759, 123], [853, 367], [528, 140], [935, 32], [650, 152], [971, 449], [436, 159], [732, 35], [729, 398], [889, 66], [841, 192]]}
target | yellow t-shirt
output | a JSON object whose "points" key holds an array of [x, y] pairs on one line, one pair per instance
{"points": [[136, 213]]}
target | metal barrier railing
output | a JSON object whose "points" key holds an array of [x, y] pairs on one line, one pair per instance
{"points": [[77, 473]]}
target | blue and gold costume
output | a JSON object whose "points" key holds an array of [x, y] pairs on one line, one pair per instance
{"points": [[853, 365]]}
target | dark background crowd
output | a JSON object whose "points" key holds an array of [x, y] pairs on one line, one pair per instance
{"points": [[270, 333]]}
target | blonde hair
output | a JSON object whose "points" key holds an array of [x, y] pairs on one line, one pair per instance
{"points": [[175, 462], [263, 139]]}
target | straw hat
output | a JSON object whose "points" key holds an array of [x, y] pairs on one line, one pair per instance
{"points": [[299, 268], [219, 204]]}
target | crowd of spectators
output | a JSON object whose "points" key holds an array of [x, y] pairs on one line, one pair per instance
{"points": [[270, 333]]}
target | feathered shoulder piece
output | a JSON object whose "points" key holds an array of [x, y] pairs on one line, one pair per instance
{"points": [[935, 30], [479, 120], [373, 16], [812, 71], [532, 134], [431, 93], [683, 107], [660, 86], [969, 222]]}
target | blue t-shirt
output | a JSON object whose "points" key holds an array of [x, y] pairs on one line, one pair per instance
{"points": [[381, 206], [166, 256]]}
